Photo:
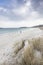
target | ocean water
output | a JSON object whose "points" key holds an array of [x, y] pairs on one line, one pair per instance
{"points": [[9, 30]]}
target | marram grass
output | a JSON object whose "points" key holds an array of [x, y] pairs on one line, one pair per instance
{"points": [[26, 52]]}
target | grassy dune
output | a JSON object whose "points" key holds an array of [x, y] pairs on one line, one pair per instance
{"points": [[33, 54], [41, 28], [26, 50]]}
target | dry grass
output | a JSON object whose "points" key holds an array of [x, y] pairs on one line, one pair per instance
{"points": [[32, 54], [41, 28]]}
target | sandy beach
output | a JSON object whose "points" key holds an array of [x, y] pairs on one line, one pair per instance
{"points": [[13, 47]]}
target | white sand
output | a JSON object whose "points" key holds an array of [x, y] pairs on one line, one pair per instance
{"points": [[7, 40], [10, 38]]}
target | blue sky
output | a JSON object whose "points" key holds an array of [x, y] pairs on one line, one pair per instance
{"points": [[19, 13]]}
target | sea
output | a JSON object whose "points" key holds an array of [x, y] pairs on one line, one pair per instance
{"points": [[9, 30]]}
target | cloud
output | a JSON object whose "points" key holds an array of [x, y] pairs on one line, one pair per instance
{"points": [[19, 10], [17, 13], [2, 9], [37, 5], [23, 10], [8, 23]]}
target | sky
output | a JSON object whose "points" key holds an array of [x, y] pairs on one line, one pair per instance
{"points": [[21, 13]]}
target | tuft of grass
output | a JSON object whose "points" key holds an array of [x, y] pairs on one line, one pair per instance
{"points": [[35, 44], [32, 54]]}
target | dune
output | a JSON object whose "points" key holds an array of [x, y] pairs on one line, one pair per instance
{"points": [[22, 48]]}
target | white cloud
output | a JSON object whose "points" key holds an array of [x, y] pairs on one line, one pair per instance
{"points": [[20, 11], [23, 10], [34, 14], [31, 17], [28, 3], [3, 18], [27, 23], [3, 9], [26, 11]]}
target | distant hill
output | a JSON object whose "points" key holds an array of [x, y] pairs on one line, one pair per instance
{"points": [[38, 26]]}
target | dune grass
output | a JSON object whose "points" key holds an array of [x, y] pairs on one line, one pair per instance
{"points": [[27, 52], [33, 54]]}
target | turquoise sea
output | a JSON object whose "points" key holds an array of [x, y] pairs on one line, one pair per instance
{"points": [[8, 30]]}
